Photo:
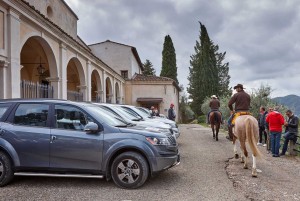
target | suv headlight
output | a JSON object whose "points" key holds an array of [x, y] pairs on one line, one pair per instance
{"points": [[158, 141]]}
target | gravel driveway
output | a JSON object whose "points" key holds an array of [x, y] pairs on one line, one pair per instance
{"points": [[206, 172]]}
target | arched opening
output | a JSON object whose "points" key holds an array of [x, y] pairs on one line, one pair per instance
{"points": [[38, 66], [75, 80], [108, 90], [96, 89], [117, 93]]}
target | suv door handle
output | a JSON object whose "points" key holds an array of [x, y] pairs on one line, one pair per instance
{"points": [[53, 138]]}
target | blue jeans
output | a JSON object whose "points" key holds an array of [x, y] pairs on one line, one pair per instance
{"points": [[288, 136], [275, 142]]}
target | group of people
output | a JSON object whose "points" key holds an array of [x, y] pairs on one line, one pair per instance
{"points": [[270, 122], [171, 112]]}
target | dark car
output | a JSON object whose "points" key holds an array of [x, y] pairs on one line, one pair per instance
{"points": [[71, 139]]}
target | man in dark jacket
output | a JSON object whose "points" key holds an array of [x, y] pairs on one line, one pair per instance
{"points": [[242, 104], [261, 124], [291, 130], [171, 112]]}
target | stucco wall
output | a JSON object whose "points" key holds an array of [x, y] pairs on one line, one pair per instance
{"points": [[153, 90], [119, 57], [58, 13]]}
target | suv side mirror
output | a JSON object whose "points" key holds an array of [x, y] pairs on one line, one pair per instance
{"points": [[91, 127]]}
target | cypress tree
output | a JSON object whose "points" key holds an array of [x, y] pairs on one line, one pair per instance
{"points": [[148, 68], [208, 75], [169, 67]]}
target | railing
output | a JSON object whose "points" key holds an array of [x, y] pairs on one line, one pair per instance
{"points": [[96, 99], [75, 96], [36, 90]]}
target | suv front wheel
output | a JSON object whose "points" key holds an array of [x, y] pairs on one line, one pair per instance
{"points": [[6, 172], [129, 170]]}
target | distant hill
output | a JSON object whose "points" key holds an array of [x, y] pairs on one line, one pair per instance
{"points": [[291, 101]]}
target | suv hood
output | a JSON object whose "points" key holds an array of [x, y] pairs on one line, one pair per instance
{"points": [[155, 124], [142, 131]]}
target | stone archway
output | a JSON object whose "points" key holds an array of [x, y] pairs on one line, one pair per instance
{"points": [[39, 77], [109, 90], [117, 93], [75, 80], [96, 87]]}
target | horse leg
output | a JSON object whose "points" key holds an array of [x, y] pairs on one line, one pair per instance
{"points": [[236, 155], [245, 155], [213, 130], [217, 132], [254, 171]]}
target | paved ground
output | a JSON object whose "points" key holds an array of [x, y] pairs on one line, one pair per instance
{"points": [[206, 172]]}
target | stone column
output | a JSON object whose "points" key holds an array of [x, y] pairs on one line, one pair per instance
{"points": [[89, 81], [99, 95], [54, 82], [104, 87], [14, 49], [114, 91], [82, 89], [3, 79], [63, 71]]}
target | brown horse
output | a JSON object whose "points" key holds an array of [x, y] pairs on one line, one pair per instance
{"points": [[246, 130], [215, 118]]}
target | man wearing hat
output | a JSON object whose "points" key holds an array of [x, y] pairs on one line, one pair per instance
{"points": [[214, 105], [242, 104]]}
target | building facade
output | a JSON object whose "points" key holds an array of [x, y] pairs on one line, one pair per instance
{"points": [[41, 55]]}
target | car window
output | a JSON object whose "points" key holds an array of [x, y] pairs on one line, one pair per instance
{"points": [[104, 117], [70, 118], [31, 115], [3, 109]]}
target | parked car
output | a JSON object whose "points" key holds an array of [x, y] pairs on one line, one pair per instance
{"points": [[145, 115], [130, 119], [70, 139]]}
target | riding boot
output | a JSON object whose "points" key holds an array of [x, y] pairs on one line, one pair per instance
{"points": [[230, 133]]}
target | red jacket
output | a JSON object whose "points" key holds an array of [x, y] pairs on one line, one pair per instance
{"points": [[275, 121]]}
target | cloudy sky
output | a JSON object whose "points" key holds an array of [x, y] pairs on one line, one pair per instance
{"points": [[261, 37]]}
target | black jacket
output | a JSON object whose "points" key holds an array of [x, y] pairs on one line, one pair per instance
{"points": [[171, 114], [262, 119], [293, 124]]}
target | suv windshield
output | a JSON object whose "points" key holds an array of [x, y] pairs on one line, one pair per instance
{"points": [[105, 117], [142, 114], [126, 114]]}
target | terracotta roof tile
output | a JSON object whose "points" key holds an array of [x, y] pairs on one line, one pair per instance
{"points": [[140, 77]]}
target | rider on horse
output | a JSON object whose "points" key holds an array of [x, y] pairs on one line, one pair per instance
{"points": [[214, 105], [242, 104]]}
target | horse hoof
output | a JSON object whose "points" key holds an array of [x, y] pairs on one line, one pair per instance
{"points": [[254, 173], [242, 160], [217, 139], [245, 167], [236, 156]]}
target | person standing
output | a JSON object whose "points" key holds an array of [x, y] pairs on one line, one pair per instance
{"points": [[261, 124], [171, 112], [152, 109], [291, 130], [275, 121], [242, 104], [268, 131], [214, 105]]}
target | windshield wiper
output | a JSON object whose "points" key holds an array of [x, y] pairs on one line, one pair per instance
{"points": [[121, 126], [130, 124]]}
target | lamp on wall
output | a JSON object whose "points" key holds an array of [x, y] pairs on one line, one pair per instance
{"points": [[40, 68]]}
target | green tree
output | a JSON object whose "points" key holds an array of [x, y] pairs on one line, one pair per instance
{"points": [[148, 68], [169, 67], [208, 75]]}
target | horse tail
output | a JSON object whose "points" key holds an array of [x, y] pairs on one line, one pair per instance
{"points": [[217, 117], [250, 136]]}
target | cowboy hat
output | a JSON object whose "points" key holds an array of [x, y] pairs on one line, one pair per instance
{"points": [[214, 96], [238, 86]]}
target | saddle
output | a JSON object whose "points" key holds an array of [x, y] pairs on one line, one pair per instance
{"points": [[237, 114]]}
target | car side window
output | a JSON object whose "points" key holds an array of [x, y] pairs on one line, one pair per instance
{"points": [[32, 115], [70, 118], [3, 109]]}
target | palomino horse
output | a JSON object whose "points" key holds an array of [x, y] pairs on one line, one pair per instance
{"points": [[246, 130], [215, 121]]}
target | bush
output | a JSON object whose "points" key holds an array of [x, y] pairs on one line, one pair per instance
{"points": [[202, 119]]}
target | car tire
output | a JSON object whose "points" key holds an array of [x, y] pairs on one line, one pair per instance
{"points": [[129, 170], [6, 171]]}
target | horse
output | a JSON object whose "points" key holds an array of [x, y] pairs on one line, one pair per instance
{"points": [[246, 130], [215, 118]]}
